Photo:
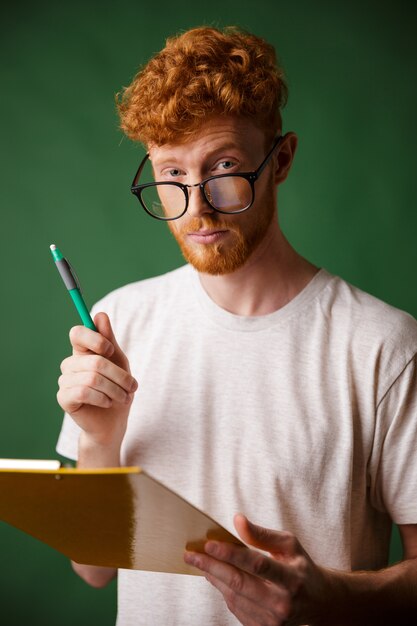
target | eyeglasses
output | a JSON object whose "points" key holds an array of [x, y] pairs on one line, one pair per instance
{"points": [[225, 193]]}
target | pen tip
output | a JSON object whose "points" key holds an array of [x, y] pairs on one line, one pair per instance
{"points": [[52, 246]]}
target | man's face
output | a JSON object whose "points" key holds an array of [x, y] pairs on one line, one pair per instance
{"points": [[215, 243]]}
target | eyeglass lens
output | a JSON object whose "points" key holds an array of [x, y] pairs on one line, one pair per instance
{"points": [[165, 201], [228, 194], [231, 193]]}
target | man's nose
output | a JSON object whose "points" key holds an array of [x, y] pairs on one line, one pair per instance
{"points": [[197, 204]]}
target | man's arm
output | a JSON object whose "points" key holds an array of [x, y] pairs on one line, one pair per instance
{"points": [[96, 389], [288, 587], [92, 455], [408, 534]]}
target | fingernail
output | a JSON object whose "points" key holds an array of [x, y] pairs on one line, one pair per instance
{"points": [[134, 385], [192, 559], [128, 398], [211, 547]]}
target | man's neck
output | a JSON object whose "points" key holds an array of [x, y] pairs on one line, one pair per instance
{"points": [[273, 275]]}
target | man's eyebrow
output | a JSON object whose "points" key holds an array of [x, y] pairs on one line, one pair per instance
{"points": [[232, 145], [164, 160], [171, 158]]}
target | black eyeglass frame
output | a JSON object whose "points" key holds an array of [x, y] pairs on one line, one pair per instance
{"points": [[251, 177]]}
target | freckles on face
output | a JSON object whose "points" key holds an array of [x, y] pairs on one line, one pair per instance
{"points": [[220, 137], [213, 242]]}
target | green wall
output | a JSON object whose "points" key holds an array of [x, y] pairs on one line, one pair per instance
{"points": [[349, 204]]}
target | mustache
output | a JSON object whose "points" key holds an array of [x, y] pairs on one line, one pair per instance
{"points": [[208, 223]]}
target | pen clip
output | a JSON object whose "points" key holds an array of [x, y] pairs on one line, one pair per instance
{"points": [[74, 275]]}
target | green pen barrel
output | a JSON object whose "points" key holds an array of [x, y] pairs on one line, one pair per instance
{"points": [[82, 309]]}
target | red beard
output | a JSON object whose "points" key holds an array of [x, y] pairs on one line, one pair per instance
{"points": [[224, 257]]}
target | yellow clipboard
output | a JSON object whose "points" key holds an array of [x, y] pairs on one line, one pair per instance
{"points": [[113, 517]]}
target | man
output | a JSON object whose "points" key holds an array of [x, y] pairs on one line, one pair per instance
{"points": [[266, 385]]}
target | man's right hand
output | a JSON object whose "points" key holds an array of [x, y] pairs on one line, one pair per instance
{"points": [[96, 387]]}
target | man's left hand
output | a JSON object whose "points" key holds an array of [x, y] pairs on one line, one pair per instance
{"points": [[286, 587]]}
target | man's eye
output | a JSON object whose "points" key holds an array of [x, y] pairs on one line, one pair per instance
{"points": [[170, 172], [226, 165]]}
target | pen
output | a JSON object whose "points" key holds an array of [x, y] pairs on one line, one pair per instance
{"points": [[72, 284]]}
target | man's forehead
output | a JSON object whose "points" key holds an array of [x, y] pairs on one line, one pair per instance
{"points": [[218, 134]]}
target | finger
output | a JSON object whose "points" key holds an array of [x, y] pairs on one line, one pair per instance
{"points": [[97, 364], [95, 381], [251, 612], [278, 543], [255, 563], [87, 341], [71, 400], [104, 327], [240, 588]]}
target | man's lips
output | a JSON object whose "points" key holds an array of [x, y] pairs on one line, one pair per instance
{"points": [[206, 236]]}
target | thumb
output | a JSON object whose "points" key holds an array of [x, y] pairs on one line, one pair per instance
{"points": [[104, 327], [277, 543]]}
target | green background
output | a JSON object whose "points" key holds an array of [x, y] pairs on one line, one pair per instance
{"points": [[348, 205]]}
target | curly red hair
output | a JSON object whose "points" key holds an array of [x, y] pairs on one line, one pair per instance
{"points": [[201, 73]]}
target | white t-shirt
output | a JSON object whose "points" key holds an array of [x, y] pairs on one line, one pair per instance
{"points": [[304, 419]]}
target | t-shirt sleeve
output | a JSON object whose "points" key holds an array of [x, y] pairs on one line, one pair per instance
{"points": [[67, 445], [393, 466]]}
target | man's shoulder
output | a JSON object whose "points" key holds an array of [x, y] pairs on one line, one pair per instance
{"points": [[147, 288], [369, 317], [363, 304]]}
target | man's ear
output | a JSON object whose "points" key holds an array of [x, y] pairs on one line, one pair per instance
{"points": [[285, 156]]}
